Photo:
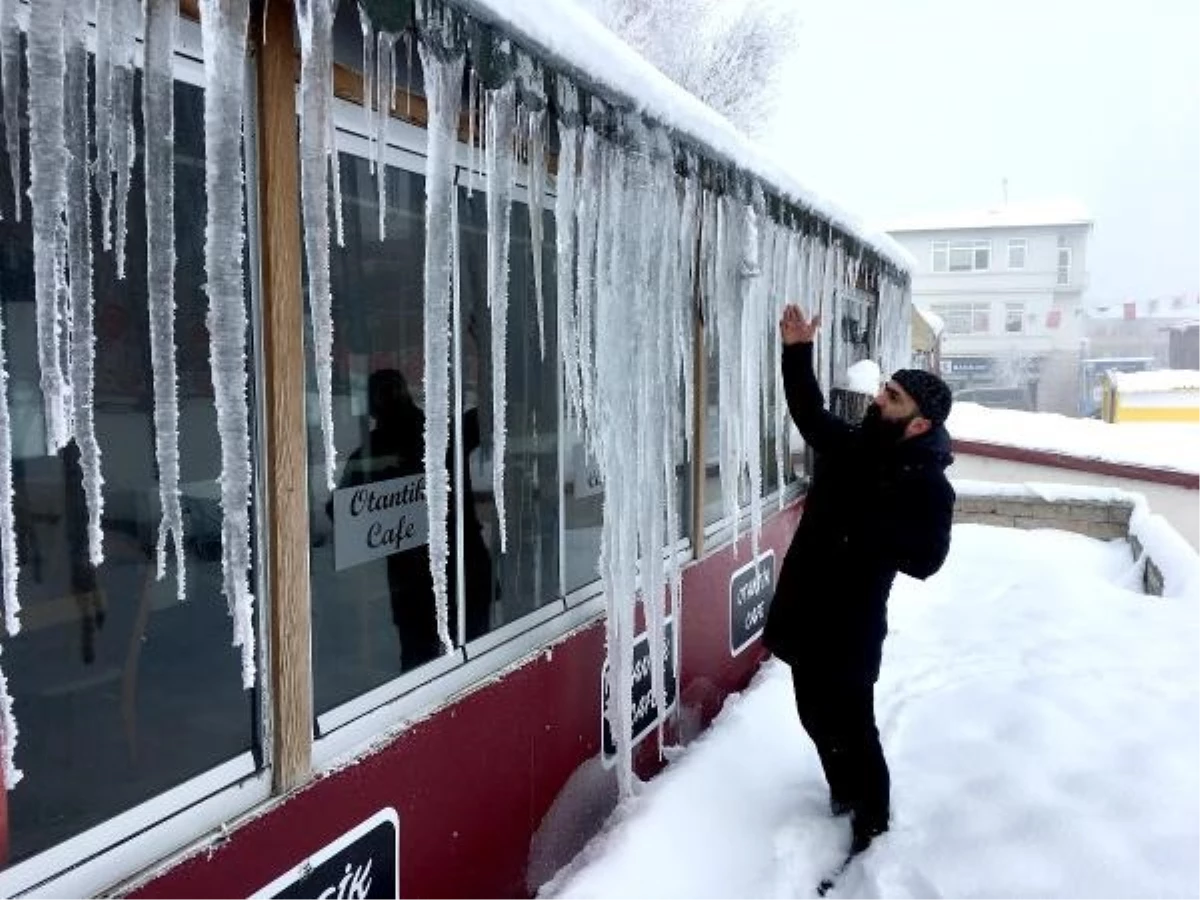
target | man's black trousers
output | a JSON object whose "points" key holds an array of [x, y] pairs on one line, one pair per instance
{"points": [[839, 716]]}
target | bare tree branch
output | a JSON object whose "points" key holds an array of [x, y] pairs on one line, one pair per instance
{"points": [[726, 53]]}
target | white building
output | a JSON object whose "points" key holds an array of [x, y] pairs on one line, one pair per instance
{"points": [[1009, 285]]}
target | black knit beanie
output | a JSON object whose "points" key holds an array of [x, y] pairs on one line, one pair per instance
{"points": [[931, 394]]}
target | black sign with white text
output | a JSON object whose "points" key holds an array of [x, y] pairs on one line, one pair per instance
{"points": [[645, 710], [750, 590], [362, 863]]}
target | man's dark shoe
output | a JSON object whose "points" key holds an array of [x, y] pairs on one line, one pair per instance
{"points": [[864, 831]]}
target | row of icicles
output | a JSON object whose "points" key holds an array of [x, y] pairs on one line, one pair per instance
{"points": [[627, 231]]}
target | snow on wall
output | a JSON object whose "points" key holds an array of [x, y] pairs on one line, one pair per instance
{"points": [[1171, 553]]}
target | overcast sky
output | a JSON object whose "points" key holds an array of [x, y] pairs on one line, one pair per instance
{"points": [[898, 107]]}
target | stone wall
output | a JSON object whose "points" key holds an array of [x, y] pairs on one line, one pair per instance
{"points": [[1094, 518]]}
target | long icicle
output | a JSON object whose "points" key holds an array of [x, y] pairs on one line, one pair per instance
{"points": [[223, 29], [501, 114], [443, 84], [10, 74], [48, 195], [125, 28], [385, 90], [79, 264], [158, 115], [315, 26]]}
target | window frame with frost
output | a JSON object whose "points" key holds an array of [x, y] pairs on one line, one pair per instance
{"points": [[104, 854]]}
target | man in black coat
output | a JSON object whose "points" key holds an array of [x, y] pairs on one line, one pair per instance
{"points": [[879, 503]]}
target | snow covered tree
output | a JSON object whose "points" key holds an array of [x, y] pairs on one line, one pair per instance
{"points": [[726, 53]]}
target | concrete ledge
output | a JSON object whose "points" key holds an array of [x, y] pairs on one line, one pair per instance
{"points": [[1107, 519], [1104, 519]]}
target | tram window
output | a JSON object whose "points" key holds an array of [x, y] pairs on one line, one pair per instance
{"points": [[525, 576], [372, 597], [120, 690]]}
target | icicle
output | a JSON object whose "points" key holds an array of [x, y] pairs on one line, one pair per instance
{"points": [[314, 19], [532, 133], [79, 266], [125, 28], [499, 121], [48, 198], [689, 218], [10, 75], [8, 737], [368, 80], [116, 30], [385, 89], [537, 195], [106, 10], [158, 116], [443, 86], [223, 28], [473, 137], [587, 221], [408, 50], [564, 223], [8, 531]]}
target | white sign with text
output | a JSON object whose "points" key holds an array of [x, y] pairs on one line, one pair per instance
{"points": [[371, 521]]}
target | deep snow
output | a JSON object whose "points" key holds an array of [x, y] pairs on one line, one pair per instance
{"points": [[1040, 720]]}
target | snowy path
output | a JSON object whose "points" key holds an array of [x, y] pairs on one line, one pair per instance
{"points": [[1041, 725]]}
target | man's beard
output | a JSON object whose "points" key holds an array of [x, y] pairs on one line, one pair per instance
{"points": [[883, 432]]}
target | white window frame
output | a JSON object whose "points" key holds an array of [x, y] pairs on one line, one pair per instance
{"points": [[1021, 244], [1014, 312], [946, 250], [1063, 275], [948, 311]]}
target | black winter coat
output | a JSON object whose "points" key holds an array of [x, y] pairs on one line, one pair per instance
{"points": [[870, 511]]}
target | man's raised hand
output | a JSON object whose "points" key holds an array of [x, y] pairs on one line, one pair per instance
{"points": [[795, 329]]}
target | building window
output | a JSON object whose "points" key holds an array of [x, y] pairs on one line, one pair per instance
{"points": [[122, 692], [1064, 266], [1014, 318], [966, 318], [373, 605], [962, 256], [1017, 248]]}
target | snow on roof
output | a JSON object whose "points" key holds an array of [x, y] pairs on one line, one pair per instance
{"points": [[582, 46], [1012, 215], [1156, 381], [1170, 445], [932, 319]]}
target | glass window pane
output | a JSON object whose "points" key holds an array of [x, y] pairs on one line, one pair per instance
{"points": [[961, 259], [714, 503], [372, 593], [120, 690], [939, 257], [526, 576]]}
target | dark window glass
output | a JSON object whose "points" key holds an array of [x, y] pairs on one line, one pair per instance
{"points": [[524, 577], [373, 606], [120, 690]]}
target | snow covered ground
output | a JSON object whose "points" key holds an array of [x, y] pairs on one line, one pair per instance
{"points": [[1040, 720], [1169, 445]]}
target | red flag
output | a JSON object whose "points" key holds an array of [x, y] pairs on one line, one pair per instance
{"points": [[1131, 310]]}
